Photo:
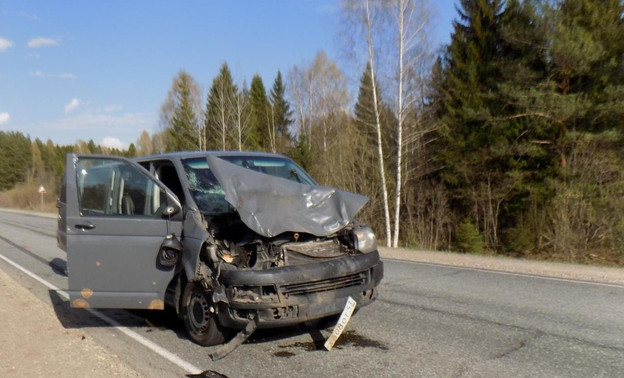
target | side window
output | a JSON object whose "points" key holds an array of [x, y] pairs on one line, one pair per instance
{"points": [[167, 174], [113, 187]]}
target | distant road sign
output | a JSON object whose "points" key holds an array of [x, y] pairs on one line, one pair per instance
{"points": [[42, 189]]}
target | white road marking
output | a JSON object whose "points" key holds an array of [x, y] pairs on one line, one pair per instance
{"points": [[187, 366], [507, 273]]}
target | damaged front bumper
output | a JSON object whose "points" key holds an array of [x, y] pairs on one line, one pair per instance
{"points": [[293, 294]]}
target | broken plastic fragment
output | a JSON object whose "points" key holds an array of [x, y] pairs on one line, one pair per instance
{"points": [[240, 338]]}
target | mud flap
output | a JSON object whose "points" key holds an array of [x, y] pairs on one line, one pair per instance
{"points": [[240, 338]]}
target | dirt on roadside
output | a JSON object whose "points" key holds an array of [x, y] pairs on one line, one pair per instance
{"points": [[33, 342]]}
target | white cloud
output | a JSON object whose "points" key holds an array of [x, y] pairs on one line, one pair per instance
{"points": [[4, 118], [112, 108], [73, 104], [42, 42], [5, 44], [90, 122], [30, 16], [112, 142], [64, 75]]}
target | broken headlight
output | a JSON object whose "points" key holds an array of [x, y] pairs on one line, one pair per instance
{"points": [[364, 239]]}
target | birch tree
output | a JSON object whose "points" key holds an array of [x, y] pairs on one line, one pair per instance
{"points": [[411, 20], [392, 35], [319, 94], [243, 114], [363, 23]]}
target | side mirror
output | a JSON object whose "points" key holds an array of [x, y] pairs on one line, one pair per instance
{"points": [[169, 252], [170, 211]]}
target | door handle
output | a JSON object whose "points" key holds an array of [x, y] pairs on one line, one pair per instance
{"points": [[84, 227]]}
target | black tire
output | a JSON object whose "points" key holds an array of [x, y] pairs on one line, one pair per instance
{"points": [[201, 323]]}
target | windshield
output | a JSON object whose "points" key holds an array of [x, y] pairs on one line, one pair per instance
{"points": [[207, 192]]}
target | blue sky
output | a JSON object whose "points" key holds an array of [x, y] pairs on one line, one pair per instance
{"points": [[100, 70]]}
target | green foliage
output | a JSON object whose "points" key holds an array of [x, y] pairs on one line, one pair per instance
{"points": [[365, 115], [261, 118], [131, 152], [281, 114], [468, 238], [527, 104], [220, 116], [16, 158], [179, 115], [302, 153]]}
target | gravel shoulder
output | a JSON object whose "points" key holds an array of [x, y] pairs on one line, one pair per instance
{"points": [[33, 342], [610, 275]]}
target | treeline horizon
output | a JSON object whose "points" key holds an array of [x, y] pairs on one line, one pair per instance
{"points": [[508, 141]]}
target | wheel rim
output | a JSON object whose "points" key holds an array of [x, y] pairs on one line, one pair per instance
{"points": [[199, 313]]}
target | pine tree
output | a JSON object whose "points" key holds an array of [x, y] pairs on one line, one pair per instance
{"points": [[365, 117], [261, 131], [182, 135], [588, 59], [144, 144], [16, 158], [132, 151], [281, 114], [220, 112], [179, 114], [479, 147]]}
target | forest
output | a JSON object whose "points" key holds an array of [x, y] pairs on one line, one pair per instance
{"points": [[508, 140]]}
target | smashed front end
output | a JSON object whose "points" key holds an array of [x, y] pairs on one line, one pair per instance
{"points": [[281, 249]]}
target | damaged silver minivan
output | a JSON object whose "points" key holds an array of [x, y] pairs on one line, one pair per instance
{"points": [[227, 239]]}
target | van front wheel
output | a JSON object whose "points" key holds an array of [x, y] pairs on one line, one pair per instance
{"points": [[199, 316]]}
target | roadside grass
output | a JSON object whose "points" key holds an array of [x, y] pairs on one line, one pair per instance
{"points": [[26, 196]]}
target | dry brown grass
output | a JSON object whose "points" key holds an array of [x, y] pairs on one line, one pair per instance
{"points": [[26, 196]]}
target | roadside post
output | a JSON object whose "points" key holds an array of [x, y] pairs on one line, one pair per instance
{"points": [[42, 191]]}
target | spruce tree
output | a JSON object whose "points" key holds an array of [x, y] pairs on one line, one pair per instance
{"points": [[220, 115], [281, 115], [486, 151], [260, 131], [365, 117], [182, 133], [179, 114], [16, 158]]}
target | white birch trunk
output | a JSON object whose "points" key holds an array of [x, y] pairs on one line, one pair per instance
{"points": [[239, 116], [382, 170], [401, 119]]}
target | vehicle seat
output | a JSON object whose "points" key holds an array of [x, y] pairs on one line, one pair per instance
{"points": [[127, 205]]}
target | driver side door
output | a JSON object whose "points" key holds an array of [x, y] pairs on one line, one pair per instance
{"points": [[116, 220]]}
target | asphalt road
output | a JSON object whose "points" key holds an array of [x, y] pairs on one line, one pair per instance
{"points": [[428, 321]]}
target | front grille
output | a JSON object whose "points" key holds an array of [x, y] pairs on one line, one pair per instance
{"points": [[329, 284]]}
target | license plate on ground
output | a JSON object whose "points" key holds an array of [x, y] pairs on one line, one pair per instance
{"points": [[342, 323]]}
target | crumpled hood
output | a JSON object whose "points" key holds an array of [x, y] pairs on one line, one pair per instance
{"points": [[272, 205]]}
